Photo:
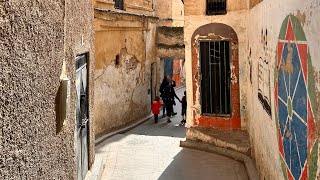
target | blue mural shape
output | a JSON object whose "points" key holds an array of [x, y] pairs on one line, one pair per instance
{"points": [[292, 104]]}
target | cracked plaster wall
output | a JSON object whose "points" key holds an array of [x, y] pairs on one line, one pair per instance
{"points": [[36, 39], [121, 86], [146, 7]]}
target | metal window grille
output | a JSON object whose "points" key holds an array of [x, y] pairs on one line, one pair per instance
{"points": [[118, 4], [216, 7], [215, 78]]}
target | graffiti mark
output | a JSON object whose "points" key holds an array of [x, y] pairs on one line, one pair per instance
{"points": [[264, 89], [250, 66]]}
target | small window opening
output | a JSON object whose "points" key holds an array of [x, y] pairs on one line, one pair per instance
{"points": [[117, 61], [216, 7], [118, 4]]}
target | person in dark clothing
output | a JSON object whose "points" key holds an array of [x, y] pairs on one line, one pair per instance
{"points": [[173, 84], [163, 84], [184, 108], [168, 96]]}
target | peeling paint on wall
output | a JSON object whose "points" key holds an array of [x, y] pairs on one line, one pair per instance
{"points": [[214, 32], [129, 61], [119, 91], [124, 53], [264, 88]]}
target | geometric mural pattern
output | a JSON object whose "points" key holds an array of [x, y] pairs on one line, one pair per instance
{"points": [[295, 103]]}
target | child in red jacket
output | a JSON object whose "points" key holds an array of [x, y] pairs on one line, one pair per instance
{"points": [[156, 104]]}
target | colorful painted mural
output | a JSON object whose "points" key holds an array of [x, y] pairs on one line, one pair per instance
{"points": [[295, 103]]}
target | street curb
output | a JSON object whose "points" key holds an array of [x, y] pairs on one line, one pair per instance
{"points": [[123, 130], [246, 160]]}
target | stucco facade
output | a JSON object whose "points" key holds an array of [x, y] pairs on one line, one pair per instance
{"points": [[170, 13], [39, 44], [278, 77]]}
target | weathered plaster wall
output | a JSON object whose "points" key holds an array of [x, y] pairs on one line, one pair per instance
{"points": [[170, 12], [124, 53], [164, 9], [285, 145], [36, 39], [178, 13], [170, 43], [253, 3], [195, 18], [133, 6], [198, 8]]}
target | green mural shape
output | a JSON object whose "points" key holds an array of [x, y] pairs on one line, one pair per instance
{"points": [[313, 167], [297, 29], [311, 87], [283, 30]]}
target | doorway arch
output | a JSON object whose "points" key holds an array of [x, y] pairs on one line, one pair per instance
{"points": [[216, 33]]}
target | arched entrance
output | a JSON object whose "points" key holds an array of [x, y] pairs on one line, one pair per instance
{"points": [[215, 73]]}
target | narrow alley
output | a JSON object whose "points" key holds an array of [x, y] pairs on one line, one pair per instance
{"points": [[81, 79], [151, 151]]}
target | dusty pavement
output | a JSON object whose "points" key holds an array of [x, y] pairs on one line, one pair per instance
{"points": [[151, 151]]}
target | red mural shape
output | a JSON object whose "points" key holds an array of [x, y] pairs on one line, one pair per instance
{"points": [[280, 144], [280, 49], [290, 34], [304, 175], [312, 135]]}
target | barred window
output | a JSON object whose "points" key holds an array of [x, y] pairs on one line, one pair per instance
{"points": [[216, 7], [215, 78], [118, 4]]}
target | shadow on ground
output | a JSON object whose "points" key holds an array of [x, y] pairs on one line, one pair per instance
{"points": [[191, 164]]}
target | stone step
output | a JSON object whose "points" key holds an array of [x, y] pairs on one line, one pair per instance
{"points": [[237, 140], [245, 159]]}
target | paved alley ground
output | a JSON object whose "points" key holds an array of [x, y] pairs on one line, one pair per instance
{"points": [[151, 151]]}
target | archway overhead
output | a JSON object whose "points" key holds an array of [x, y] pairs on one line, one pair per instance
{"points": [[218, 29]]}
